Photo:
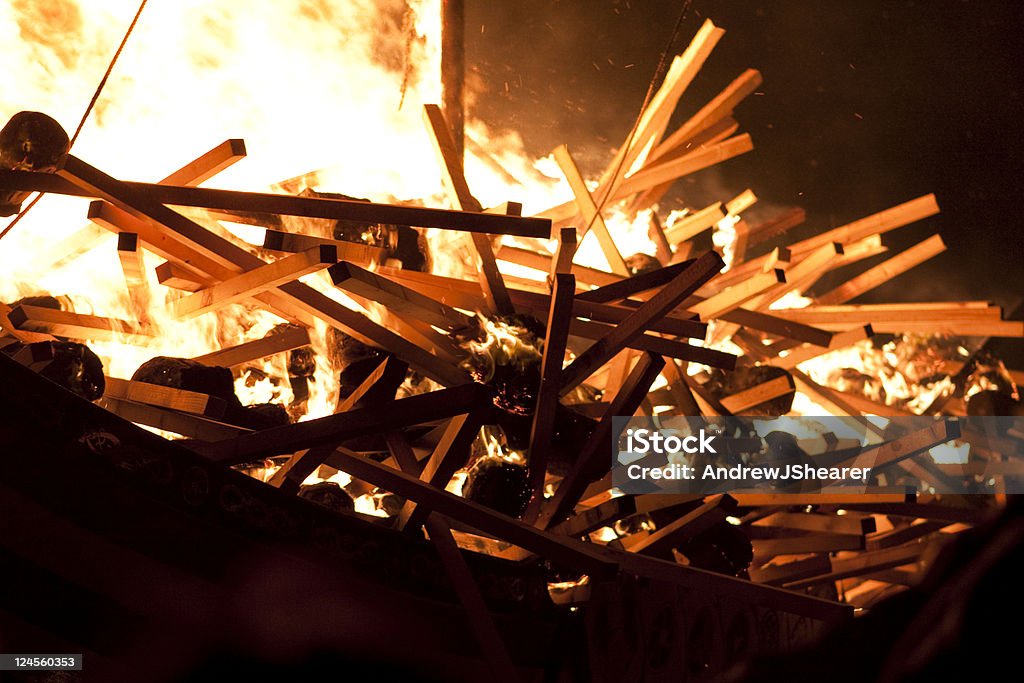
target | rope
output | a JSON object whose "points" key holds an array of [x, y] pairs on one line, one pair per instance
{"points": [[88, 110]]}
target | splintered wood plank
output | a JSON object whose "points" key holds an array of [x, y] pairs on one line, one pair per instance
{"points": [[291, 337], [594, 458], [294, 242], [435, 405], [397, 297], [165, 397], [758, 394], [557, 334], [255, 281], [713, 511], [875, 224], [459, 195], [298, 300], [447, 458], [885, 271], [78, 325], [690, 226], [684, 284], [592, 218]]}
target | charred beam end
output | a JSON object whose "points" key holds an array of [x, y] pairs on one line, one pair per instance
{"points": [[305, 207], [335, 429]]}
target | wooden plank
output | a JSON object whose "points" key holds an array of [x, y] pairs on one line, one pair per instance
{"points": [[839, 341], [901, 535], [780, 574], [542, 428], [668, 171], [713, 511], [293, 243], [477, 612], [255, 281], [74, 245], [450, 455], [78, 325], [911, 312], [688, 227], [829, 524], [397, 297], [594, 458], [864, 563], [177, 276], [291, 337], [758, 394], [404, 412], [543, 262], [596, 517], [590, 329], [875, 224], [297, 299], [802, 274], [802, 545], [850, 501], [930, 511], [204, 167], [592, 218], [191, 426], [684, 284], [181, 400], [734, 297], [627, 287], [457, 189], [130, 255], [290, 205], [568, 241]]}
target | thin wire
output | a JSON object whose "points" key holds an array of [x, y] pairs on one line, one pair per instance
{"points": [[659, 73], [88, 110]]}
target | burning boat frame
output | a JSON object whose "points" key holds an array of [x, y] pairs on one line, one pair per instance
{"points": [[625, 331]]}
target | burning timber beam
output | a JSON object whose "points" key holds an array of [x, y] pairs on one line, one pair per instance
{"points": [[287, 205]]}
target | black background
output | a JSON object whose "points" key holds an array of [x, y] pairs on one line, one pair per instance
{"points": [[864, 105]]}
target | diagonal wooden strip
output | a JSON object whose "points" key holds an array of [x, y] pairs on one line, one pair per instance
{"points": [[595, 458], [404, 412], [556, 336], [703, 269], [209, 164], [291, 337], [734, 297], [875, 224], [592, 218], [885, 271], [665, 172], [758, 394], [459, 195], [450, 455], [255, 281], [627, 287], [589, 329], [78, 325], [839, 341], [713, 511], [397, 297]]}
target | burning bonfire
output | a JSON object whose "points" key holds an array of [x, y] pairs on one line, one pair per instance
{"points": [[421, 361]]}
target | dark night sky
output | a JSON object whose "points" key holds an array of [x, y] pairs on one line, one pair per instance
{"points": [[865, 104]]}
